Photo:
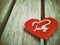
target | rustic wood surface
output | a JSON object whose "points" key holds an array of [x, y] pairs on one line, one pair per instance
{"points": [[52, 9], [14, 33], [23, 10], [5, 10]]}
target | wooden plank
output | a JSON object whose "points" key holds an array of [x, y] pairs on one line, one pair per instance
{"points": [[5, 10], [52, 9], [14, 33]]}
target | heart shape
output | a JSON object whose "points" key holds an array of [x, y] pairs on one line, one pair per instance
{"points": [[42, 29]]}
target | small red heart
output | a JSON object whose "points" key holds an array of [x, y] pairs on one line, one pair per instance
{"points": [[42, 29]]}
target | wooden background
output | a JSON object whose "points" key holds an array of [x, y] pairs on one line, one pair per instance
{"points": [[13, 14]]}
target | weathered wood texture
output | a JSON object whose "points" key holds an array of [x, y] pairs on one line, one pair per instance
{"points": [[14, 33], [5, 10], [52, 9], [23, 10]]}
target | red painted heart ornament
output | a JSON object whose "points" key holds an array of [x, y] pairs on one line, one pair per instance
{"points": [[41, 28]]}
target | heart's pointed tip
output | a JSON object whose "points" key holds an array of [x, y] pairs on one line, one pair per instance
{"points": [[44, 38]]}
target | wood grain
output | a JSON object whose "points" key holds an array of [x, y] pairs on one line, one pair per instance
{"points": [[5, 10], [52, 9], [14, 32]]}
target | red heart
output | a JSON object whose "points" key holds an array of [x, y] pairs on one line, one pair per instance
{"points": [[42, 29]]}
